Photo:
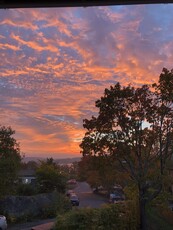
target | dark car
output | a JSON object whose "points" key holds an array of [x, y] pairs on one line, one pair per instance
{"points": [[74, 200]]}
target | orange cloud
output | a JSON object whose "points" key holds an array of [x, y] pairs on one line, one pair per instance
{"points": [[19, 24], [34, 45], [9, 46], [63, 61]]}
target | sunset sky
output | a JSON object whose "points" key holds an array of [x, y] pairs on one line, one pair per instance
{"points": [[56, 62]]}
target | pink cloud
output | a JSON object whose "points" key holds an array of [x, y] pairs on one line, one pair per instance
{"points": [[57, 62]]}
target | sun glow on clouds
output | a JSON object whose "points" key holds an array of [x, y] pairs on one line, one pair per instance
{"points": [[56, 62]]}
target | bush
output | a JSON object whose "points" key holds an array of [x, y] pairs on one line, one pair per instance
{"points": [[157, 220], [76, 219], [25, 190], [60, 206], [161, 207], [167, 214], [111, 217], [114, 216]]}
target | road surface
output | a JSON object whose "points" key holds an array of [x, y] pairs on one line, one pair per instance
{"points": [[87, 199]]}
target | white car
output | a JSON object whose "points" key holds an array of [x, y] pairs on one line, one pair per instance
{"points": [[3, 223]]}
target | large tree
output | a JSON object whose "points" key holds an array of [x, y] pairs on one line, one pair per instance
{"points": [[135, 125], [10, 159]]}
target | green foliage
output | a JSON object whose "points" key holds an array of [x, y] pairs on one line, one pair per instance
{"points": [[26, 190], [132, 196], [10, 160], [60, 205], [63, 204], [115, 216], [131, 192], [50, 178], [75, 220], [160, 218]]}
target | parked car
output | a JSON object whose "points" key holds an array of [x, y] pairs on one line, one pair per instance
{"points": [[117, 194], [100, 190], [116, 198], [74, 199], [97, 189], [72, 182], [118, 201], [3, 223]]}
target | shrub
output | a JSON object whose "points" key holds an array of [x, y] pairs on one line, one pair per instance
{"points": [[25, 190], [76, 219], [167, 214], [60, 206], [110, 217], [114, 216]]}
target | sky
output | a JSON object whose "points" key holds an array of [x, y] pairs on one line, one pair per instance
{"points": [[56, 62]]}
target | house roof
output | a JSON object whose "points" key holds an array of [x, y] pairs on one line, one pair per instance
{"points": [[71, 3], [26, 172]]}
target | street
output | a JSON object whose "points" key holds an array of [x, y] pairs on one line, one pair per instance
{"points": [[87, 199]]}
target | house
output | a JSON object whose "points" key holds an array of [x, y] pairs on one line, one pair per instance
{"points": [[27, 176]]}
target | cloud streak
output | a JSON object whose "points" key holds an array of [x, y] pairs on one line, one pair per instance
{"points": [[56, 62]]}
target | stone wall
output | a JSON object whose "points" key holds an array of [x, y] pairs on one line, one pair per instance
{"points": [[18, 206]]}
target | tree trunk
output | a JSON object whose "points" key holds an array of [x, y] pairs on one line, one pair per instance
{"points": [[142, 211]]}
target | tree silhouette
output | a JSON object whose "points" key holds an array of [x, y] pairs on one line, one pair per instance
{"points": [[10, 159], [135, 126]]}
